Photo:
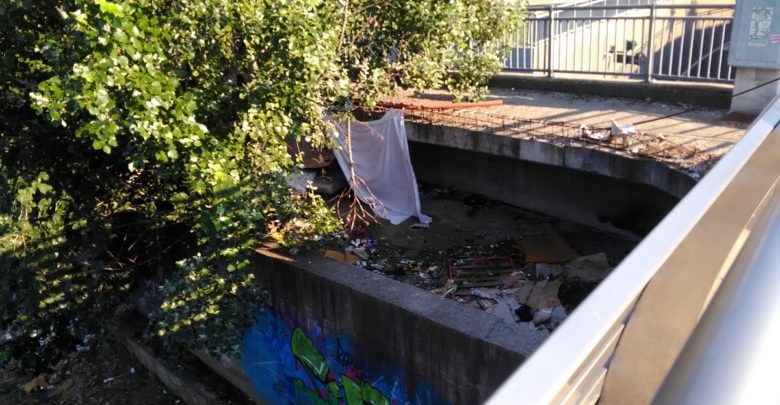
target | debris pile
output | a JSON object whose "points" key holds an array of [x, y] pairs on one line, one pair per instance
{"points": [[537, 280], [521, 266]]}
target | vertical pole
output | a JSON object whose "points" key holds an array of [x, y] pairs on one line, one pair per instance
{"points": [[550, 42], [651, 45]]}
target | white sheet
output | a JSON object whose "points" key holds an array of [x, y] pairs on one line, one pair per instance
{"points": [[381, 159]]}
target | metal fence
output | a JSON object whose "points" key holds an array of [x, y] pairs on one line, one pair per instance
{"points": [[640, 41]]}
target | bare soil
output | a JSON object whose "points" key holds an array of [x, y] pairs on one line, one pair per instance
{"points": [[105, 374]]}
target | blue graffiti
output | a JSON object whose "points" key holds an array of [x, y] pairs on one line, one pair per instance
{"points": [[290, 364]]}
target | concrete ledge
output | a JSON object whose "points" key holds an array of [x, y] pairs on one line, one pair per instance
{"points": [[458, 352], [597, 188], [586, 158], [706, 95]]}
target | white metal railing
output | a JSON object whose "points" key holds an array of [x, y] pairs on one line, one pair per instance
{"points": [[626, 38], [571, 367]]}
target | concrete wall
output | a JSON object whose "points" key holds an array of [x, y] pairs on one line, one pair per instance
{"points": [[596, 188], [334, 330]]}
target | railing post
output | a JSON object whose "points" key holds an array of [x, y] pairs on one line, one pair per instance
{"points": [[651, 45], [550, 42]]}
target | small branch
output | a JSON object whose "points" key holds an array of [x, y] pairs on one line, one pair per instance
{"points": [[343, 25]]}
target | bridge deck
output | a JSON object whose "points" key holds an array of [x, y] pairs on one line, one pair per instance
{"points": [[692, 141]]}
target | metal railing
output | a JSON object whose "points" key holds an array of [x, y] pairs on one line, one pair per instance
{"points": [[640, 41]]}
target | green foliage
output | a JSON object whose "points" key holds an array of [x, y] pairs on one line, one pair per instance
{"points": [[150, 138]]}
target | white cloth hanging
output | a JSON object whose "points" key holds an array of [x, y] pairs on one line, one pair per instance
{"points": [[380, 155]]}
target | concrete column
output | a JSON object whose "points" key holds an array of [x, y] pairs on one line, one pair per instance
{"points": [[753, 102]]}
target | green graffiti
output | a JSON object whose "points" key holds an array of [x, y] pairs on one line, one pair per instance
{"points": [[303, 348], [352, 391], [306, 395], [357, 394]]}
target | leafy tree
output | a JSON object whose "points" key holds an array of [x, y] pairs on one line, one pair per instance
{"points": [[151, 138]]}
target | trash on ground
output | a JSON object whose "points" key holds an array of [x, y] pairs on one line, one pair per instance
{"points": [[545, 271], [545, 294], [347, 258], [547, 248], [591, 268], [38, 383], [542, 315], [513, 279], [524, 313], [587, 133], [481, 271], [505, 308], [481, 294], [557, 316], [622, 129], [532, 280]]}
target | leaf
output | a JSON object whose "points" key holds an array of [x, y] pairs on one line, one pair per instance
{"points": [[110, 8]]}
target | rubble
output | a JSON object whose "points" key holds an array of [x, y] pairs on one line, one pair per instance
{"points": [[546, 271], [592, 268], [481, 271], [347, 258], [534, 279]]}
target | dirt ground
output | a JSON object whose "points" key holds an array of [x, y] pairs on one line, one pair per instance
{"points": [[105, 374]]}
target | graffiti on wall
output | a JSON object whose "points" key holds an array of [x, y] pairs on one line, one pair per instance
{"points": [[288, 364]]}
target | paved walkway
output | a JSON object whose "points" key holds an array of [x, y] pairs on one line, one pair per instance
{"points": [[692, 142]]}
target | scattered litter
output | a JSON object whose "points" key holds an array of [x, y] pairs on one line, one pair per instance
{"points": [[347, 258], [557, 316], [524, 291], [360, 252], [545, 271], [513, 279], [545, 294], [622, 129], [481, 294], [481, 271], [591, 268], [109, 379], [547, 248], [586, 132], [80, 348], [485, 304], [542, 315], [38, 383], [524, 313], [517, 279], [505, 308], [64, 386]]}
